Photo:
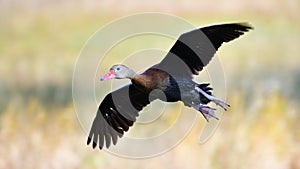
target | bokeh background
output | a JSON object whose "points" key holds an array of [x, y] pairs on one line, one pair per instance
{"points": [[39, 45]]}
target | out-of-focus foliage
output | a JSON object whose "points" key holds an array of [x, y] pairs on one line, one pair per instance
{"points": [[39, 45]]}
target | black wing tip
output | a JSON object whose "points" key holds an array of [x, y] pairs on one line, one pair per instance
{"points": [[244, 26], [241, 26], [94, 145], [88, 140], [247, 24]]}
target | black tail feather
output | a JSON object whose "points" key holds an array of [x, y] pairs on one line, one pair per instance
{"points": [[205, 87]]}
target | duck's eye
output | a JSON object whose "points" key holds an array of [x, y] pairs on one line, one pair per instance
{"points": [[118, 68]]}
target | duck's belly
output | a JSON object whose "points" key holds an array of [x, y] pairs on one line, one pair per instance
{"points": [[181, 90]]}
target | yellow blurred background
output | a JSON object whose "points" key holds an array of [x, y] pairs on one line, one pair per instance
{"points": [[39, 45]]}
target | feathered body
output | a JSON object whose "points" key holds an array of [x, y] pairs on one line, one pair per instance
{"points": [[170, 81]]}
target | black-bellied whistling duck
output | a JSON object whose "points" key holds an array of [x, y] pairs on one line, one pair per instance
{"points": [[170, 80]]}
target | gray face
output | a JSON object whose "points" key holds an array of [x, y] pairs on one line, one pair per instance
{"points": [[120, 71]]}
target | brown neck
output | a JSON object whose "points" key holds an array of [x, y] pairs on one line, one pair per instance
{"points": [[150, 79], [141, 82]]}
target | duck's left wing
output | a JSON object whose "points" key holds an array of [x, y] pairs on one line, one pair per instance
{"points": [[116, 113], [193, 50]]}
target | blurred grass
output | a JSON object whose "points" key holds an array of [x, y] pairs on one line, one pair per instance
{"points": [[38, 48]]}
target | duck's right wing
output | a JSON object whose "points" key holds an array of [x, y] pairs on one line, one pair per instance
{"points": [[116, 113]]}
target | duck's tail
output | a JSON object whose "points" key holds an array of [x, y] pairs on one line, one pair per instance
{"points": [[205, 87]]}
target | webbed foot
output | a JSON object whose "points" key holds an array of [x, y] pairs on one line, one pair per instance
{"points": [[207, 112], [217, 101]]}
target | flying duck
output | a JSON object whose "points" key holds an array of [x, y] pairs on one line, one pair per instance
{"points": [[171, 80]]}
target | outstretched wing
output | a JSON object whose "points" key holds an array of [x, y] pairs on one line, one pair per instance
{"points": [[193, 50], [116, 113]]}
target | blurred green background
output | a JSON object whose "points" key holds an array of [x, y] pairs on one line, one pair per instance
{"points": [[39, 45]]}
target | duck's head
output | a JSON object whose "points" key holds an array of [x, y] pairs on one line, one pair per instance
{"points": [[119, 72]]}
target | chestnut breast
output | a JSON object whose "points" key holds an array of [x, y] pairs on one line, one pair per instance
{"points": [[151, 79]]}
